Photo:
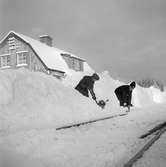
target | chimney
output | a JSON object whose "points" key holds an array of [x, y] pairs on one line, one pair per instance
{"points": [[46, 39]]}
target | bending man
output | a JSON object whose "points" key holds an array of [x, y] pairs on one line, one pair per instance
{"points": [[124, 94], [86, 85]]}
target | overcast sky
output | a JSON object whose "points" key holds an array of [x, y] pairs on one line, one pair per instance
{"points": [[126, 37]]}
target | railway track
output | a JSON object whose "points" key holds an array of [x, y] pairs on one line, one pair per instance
{"points": [[157, 132], [90, 121]]}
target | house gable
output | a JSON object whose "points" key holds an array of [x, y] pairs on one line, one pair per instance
{"points": [[73, 62], [13, 46], [40, 57]]}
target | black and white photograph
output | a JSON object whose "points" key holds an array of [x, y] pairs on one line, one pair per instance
{"points": [[82, 83]]}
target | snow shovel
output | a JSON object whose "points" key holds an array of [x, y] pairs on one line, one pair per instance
{"points": [[101, 103]]}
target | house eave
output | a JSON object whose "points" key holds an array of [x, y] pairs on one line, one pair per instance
{"points": [[54, 70], [70, 55]]}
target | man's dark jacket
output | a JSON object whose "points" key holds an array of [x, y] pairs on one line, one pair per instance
{"points": [[85, 84], [124, 94]]}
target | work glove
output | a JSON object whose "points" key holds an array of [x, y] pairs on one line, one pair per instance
{"points": [[94, 97]]}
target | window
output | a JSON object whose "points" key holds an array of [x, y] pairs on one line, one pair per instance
{"points": [[22, 58], [81, 65], [73, 62], [5, 60], [77, 65]]}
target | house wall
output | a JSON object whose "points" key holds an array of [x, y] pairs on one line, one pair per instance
{"points": [[56, 74], [73, 62], [16, 45], [4, 50]]}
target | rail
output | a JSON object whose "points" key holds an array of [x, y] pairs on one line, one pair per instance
{"points": [[158, 130]]}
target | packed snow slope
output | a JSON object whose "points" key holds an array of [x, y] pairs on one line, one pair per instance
{"points": [[32, 100], [32, 105], [104, 89]]}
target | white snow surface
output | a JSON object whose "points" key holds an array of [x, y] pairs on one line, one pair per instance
{"points": [[33, 105]]}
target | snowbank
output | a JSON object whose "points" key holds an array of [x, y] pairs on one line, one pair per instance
{"points": [[34, 99], [32, 105], [105, 87]]}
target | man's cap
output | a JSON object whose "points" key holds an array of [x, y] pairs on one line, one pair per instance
{"points": [[96, 76], [133, 84]]}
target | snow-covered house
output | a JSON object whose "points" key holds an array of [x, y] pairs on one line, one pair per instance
{"points": [[17, 50]]}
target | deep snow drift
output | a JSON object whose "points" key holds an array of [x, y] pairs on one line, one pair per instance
{"points": [[105, 87], [32, 105]]}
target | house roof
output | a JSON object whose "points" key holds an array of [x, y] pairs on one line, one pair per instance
{"points": [[50, 56]]}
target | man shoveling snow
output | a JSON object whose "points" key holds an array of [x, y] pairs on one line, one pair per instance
{"points": [[86, 85], [124, 94]]}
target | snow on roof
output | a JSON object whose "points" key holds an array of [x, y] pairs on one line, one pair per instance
{"points": [[51, 56], [45, 36]]}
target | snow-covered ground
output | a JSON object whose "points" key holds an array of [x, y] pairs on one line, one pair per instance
{"points": [[155, 156], [33, 105]]}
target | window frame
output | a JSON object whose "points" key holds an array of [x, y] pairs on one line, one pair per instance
{"points": [[77, 66], [21, 59], [7, 62]]}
